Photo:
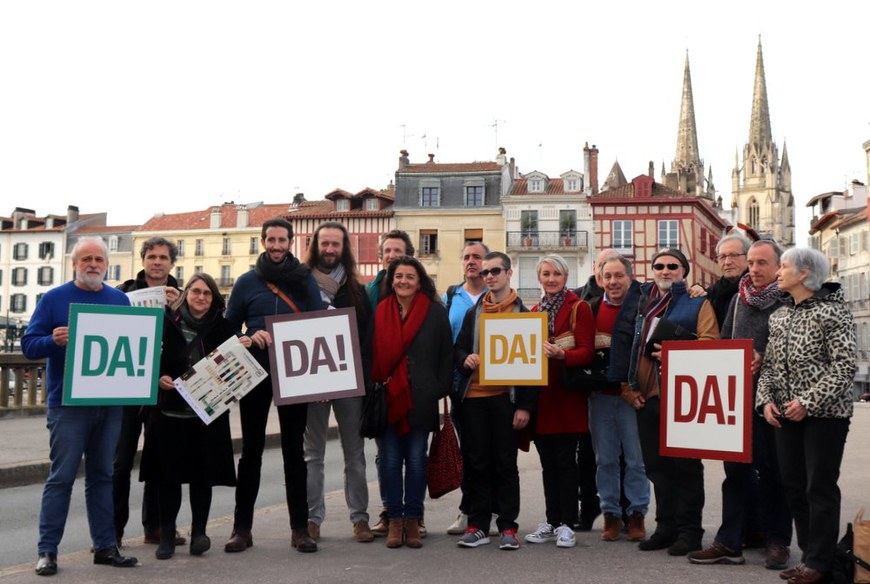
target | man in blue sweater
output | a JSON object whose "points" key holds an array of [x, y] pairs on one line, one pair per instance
{"points": [[75, 431]]}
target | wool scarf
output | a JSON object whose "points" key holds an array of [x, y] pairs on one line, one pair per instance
{"points": [[330, 283], [392, 341], [758, 297], [289, 271], [551, 305]]}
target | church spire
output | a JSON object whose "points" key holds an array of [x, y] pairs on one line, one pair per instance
{"points": [[759, 125], [687, 135]]}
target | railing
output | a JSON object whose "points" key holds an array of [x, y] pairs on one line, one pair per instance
{"points": [[22, 383], [226, 282], [538, 240]]}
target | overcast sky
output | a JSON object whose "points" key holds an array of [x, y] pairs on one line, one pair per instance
{"points": [[147, 107]]}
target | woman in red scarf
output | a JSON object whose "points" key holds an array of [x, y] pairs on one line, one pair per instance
{"points": [[412, 351]]}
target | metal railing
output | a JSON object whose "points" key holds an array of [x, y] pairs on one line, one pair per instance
{"points": [[538, 240]]}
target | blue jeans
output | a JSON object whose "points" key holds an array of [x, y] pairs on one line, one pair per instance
{"points": [[76, 431], [404, 453], [613, 425]]}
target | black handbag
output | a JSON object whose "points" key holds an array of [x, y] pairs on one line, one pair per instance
{"points": [[591, 377], [373, 420]]}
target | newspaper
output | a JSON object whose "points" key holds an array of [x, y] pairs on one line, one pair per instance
{"points": [[220, 379], [153, 297]]}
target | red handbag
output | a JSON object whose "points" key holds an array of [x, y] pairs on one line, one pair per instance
{"points": [[444, 470]]}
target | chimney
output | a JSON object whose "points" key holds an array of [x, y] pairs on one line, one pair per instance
{"points": [[403, 159], [72, 214], [215, 217], [298, 199], [513, 167], [587, 168], [593, 169], [431, 158], [242, 216], [501, 159], [652, 170]]}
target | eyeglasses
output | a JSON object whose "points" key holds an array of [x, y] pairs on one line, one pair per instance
{"points": [[660, 267], [730, 256], [493, 271]]}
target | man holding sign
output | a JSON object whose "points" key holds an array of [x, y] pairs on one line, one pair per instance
{"points": [[75, 431], [678, 482]]}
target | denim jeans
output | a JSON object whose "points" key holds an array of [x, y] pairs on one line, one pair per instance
{"points": [[613, 424], [405, 492], [76, 431]]}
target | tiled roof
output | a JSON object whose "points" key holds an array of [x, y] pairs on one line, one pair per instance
{"points": [[326, 210], [202, 219], [626, 191], [450, 167], [851, 216], [85, 229], [366, 192], [555, 186]]}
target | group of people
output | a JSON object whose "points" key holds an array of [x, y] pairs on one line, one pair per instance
{"points": [[598, 443]]}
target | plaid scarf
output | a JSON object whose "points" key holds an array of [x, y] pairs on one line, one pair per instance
{"points": [[758, 297], [551, 305]]}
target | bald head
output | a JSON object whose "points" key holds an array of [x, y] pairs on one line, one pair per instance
{"points": [[603, 257]]}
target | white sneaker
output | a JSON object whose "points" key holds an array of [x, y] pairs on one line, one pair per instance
{"points": [[542, 534], [459, 526], [565, 537]]}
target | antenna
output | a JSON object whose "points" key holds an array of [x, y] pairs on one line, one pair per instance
{"points": [[494, 125]]}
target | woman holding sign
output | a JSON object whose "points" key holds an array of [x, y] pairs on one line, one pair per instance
{"points": [[561, 416], [179, 447], [411, 347], [805, 393]]}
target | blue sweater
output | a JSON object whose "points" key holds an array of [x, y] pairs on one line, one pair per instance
{"points": [[52, 312]]}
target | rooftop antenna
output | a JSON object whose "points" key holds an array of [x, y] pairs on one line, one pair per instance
{"points": [[495, 128]]}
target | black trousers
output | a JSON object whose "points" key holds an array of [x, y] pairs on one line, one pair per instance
{"points": [[132, 421], [558, 454], [586, 469], [491, 480], [678, 482], [170, 503], [810, 453], [254, 412]]}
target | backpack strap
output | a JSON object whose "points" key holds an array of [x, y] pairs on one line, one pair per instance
{"points": [[451, 292]]}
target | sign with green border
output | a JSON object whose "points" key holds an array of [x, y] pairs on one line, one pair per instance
{"points": [[113, 355]]}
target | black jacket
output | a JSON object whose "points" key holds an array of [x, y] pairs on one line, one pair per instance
{"points": [[140, 283]]}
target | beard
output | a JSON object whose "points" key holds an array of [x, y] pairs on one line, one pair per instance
{"points": [[665, 285], [328, 262], [90, 281]]}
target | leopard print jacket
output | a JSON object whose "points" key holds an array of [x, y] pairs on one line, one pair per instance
{"points": [[811, 356]]}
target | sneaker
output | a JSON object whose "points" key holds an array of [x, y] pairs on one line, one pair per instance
{"points": [[542, 534], [473, 537], [565, 537], [459, 526], [717, 553], [508, 540]]}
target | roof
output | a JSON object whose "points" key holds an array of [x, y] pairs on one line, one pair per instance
{"points": [[555, 186], [627, 191], [850, 217], [821, 196], [366, 192], [450, 167], [86, 229], [201, 219], [326, 210]]}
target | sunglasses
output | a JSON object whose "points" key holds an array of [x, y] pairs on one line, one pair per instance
{"points": [[660, 267], [493, 271]]}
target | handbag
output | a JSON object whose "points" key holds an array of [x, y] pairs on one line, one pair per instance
{"points": [[373, 419], [566, 341], [444, 469]]}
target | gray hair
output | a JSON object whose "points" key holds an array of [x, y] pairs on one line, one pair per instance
{"points": [[812, 261], [773, 245], [554, 260], [90, 239], [629, 270], [734, 236], [469, 243]]}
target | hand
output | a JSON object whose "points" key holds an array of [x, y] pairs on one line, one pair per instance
{"points": [[553, 351], [165, 382], [756, 361], [697, 291], [657, 354], [772, 414], [172, 294], [262, 339], [521, 419], [639, 402], [472, 362], [245, 341], [795, 411], [60, 335]]}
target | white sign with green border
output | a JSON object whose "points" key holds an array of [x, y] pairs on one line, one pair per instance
{"points": [[113, 355]]}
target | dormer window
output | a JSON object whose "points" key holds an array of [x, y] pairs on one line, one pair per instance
{"points": [[536, 186], [342, 205], [372, 204]]}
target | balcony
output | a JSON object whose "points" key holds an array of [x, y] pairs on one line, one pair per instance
{"points": [[547, 241], [226, 282]]}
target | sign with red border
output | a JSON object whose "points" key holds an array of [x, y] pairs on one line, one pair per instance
{"points": [[706, 400]]}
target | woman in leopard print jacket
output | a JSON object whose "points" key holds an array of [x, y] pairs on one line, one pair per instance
{"points": [[805, 392]]}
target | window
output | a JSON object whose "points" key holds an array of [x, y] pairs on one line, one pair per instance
{"points": [[529, 286], [46, 250], [621, 234], [372, 204], [529, 223], [342, 205], [45, 276], [179, 275], [572, 185], [39, 297], [197, 269], [254, 247], [536, 186], [179, 243], [113, 243], [853, 243], [473, 235], [226, 279], [430, 197], [19, 252], [753, 211], [368, 248], [198, 250], [225, 248], [474, 196], [843, 247], [669, 233], [1, 276], [18, 303], [833, 249], [428, 242], [19, 276]]}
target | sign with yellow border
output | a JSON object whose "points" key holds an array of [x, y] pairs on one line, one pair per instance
{"points": [[512, 348]]}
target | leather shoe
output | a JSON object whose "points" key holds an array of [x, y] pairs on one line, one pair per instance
{"points": [[681, 547], [808, 576], [301, 540], [46, 565], [656, 541], [199, 544], [239, 541], [786, 574], [776, 557], [112, 557], [154, 538]]}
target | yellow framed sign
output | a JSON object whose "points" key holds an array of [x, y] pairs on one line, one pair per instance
{"points": [[512, 348]]}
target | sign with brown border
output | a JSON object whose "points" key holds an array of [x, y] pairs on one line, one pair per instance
{"points": [[512, 348], [315, 356]]}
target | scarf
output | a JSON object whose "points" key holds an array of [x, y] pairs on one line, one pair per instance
{"points": [[505, 305], [392, 340], [551, 305], [329, 283], [656, 304], [289, 271], [758, 297]]}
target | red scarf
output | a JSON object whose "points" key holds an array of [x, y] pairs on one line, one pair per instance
{"points": [[393, 338]]}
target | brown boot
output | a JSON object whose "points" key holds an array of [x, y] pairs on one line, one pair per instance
{"points": [[362, 532], [612, 524], [240, 540], [394, 535], [314, 531], [412, 533], [381, 528], [636, 527], [301, 540]]}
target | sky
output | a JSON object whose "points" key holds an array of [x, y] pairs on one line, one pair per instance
{"points": [[138, 108]]}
